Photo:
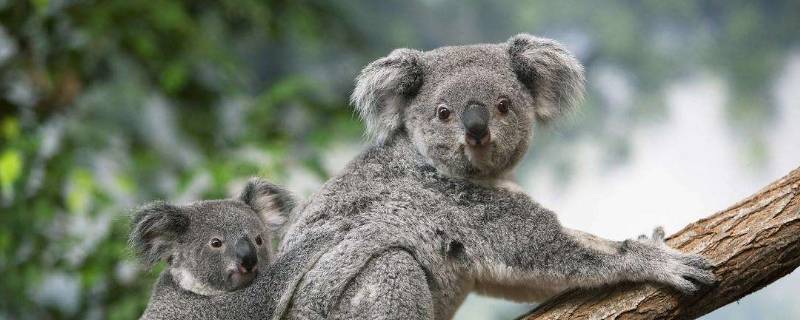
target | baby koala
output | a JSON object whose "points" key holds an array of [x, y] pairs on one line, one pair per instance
{"points": [[213, 246]]}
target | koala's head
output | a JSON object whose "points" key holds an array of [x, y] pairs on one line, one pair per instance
{"points": [[469, 110], [213, 246]]}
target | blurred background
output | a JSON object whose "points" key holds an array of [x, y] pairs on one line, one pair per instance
{"points": [[105, 105]]}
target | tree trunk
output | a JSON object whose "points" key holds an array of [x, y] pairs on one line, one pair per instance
{"points": [[751, 244]]}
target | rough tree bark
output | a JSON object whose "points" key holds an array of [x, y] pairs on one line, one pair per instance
{"points": [[751, 244]]}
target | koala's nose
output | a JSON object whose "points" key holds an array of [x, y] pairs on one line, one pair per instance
{"points": [[476, 123], [246, 253]]}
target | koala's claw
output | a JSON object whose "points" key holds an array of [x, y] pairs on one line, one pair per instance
{"points": [[658, 234], [687, 273], [657, 237]]}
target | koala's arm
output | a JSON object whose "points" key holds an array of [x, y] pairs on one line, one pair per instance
{"points": [[532, 257]]}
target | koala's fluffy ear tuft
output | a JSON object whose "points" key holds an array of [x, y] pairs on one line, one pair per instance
{"points": [[381, 90], [154, 230], [554, 77], [272, 202]]}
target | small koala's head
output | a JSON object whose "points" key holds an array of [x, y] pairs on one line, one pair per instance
{"points": [[213, 246], [469, 110]]}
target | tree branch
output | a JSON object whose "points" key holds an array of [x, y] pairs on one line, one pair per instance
{"points": [[751, 244]]}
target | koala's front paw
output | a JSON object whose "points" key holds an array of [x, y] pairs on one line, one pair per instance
{"points": [[687, 273]]}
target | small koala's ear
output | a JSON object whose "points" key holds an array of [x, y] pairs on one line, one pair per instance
{"points": [[381, 89], [154, 231], [272, 202], [552, 74]]}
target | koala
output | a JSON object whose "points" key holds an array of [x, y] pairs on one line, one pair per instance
{"points": [[211, 248], [430, 211]]}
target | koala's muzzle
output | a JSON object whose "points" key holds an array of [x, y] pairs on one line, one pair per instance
{"points": [[476, 124], [246, 254]]}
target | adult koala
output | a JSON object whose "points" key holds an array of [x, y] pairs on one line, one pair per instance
{"points": [[430, 213]]}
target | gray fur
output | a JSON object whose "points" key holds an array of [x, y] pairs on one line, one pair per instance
{"points": [[379, 88], [550, 72], [183, 236], [270, 201], [270, 291], [155, 229]]}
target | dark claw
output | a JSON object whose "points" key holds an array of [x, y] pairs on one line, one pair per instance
{"points": [[658, 234]]}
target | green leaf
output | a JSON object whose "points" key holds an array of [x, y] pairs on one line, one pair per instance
{"points": [[10, 169], [40, 5], [80, 190], [10, 128], [174, 77]]}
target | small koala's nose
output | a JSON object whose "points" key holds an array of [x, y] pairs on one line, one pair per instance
{"points": [[246, 253], [476, 123]]}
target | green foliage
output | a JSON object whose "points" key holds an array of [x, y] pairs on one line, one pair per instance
{"points": [[122, 102], [10, 167]]}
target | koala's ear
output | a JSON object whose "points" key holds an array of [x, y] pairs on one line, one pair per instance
{"points": [[381, 90], [272, 202], [552, 74], [154, 231]]}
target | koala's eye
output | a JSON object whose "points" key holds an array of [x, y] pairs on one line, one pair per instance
{"points": [[443, 113], [215, 243], [503, 105], [258, 240]]}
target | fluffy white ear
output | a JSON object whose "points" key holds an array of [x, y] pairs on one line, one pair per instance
{"points": [[554, 77], [381, 90], [273, 203]]}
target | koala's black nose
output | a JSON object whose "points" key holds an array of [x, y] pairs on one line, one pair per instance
{"points": [[246, 253], [476, 122]]}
